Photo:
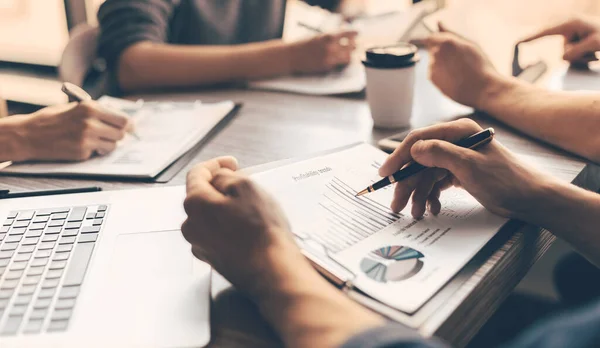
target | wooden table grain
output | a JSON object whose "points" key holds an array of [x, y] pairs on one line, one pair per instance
{"points": [[276, 126]]}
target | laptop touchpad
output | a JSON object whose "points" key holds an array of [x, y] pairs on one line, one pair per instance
{"points": [[151, 254]]}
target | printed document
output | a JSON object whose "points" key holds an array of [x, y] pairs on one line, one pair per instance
{"points": [[166, 131], [393, 258]]}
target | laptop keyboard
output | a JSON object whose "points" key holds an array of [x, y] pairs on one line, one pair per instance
{"points": [[44, 255]]}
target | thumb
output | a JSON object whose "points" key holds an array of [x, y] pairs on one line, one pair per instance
{"points": [[582, 48], [442, 154]]}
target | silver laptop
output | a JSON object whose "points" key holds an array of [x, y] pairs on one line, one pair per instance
{"points": [[100, 269]]}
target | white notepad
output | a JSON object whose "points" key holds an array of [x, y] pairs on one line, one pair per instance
{"points": [[392, 258], [166, 131]]}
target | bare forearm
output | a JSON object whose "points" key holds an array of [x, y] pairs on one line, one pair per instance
{"points": [[148, 65], [571, 213], [307, 311], [12, 141], [567, 120]]}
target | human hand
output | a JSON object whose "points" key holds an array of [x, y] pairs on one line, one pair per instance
{"points": [[322, 53], [492, 174], [581, 39], [235, 226], [72, 132], [459, 68]]}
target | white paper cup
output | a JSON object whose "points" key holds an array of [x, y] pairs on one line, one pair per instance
{"points": [[390, 73]]}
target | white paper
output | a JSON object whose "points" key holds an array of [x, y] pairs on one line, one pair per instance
{"points": [[166, 131], [378, 30], [317, 195], [350, 79]]}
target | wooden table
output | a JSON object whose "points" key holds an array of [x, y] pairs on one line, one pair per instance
{"points": [[274, 126]]}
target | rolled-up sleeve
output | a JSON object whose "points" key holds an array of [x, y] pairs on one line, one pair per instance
{"points": [[126, 22]]}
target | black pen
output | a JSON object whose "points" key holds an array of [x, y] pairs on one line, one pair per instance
{"points": [[472, 142], [79, 95], [6, 194]]}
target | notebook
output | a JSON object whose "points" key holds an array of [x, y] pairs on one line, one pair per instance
{"points": [[385, 259], [166, 130]]}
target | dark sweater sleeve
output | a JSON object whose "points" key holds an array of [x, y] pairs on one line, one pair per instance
{"points": [[392, 336], [126, 22]]}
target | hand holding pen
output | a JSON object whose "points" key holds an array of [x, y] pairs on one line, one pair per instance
{"points": [[495, 177], [77, 94]]}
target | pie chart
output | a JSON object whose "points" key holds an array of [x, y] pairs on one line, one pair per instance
{"points": [[392, 263]]}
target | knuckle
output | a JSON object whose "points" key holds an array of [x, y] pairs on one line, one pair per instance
{"points": [[86, 109], [413, 136], [469, 124]]}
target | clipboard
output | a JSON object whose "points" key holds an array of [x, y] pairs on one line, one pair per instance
{"points": [[163, 177], [416, 319]]}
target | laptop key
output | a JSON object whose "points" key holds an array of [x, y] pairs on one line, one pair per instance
{"points": [[53, 230], [47, 293], [39, 218], [2, 270], [18, 310], [31, 241], [23, 300], [9, 284], [102, 208], [100, 215], [86, 238], [6, 293], [9, 222], [15, 266], [68, 303], [4, 262], [2, 236], [39, 262], [17, 231], [56, 223], [50, 283], [6, 254], [70, 225], [69, 233], [67, 240], [32, 280], [60, 216], [33, 326], [11, 325], [46, 245], [9, 246], [14, 275], [13, 214], [25, 215], [43, 253], [58, 325], [50, 238], [39, 313], [33, 271], [13, 239], [97, 222], [22, 257], [58, 264], [4, 229], [54, 273], [37, 226], [21, 224], [81, 257], [35, 233], [77, 214], [90, 229], [26, 249], [61, 257], [64, 248], [62, 314], [90, 216], [27, 289], [42, 303], [4, 304], [68, 292]]}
